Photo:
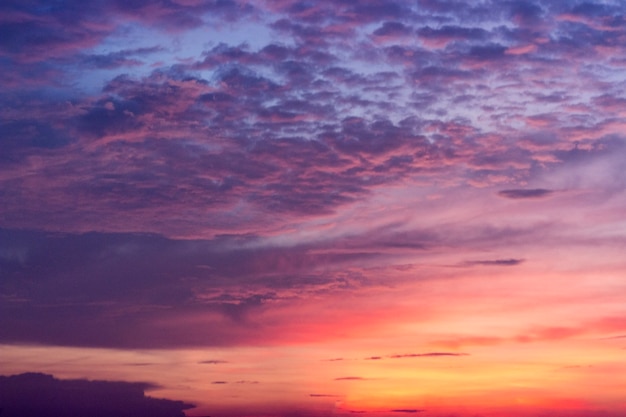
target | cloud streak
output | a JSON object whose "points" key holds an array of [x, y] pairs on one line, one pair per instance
{"points": [[523, 193]]}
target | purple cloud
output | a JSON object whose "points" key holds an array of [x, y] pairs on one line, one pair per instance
{"points": [[495, 262], [35, 394], [525, 193], [191, 173]]}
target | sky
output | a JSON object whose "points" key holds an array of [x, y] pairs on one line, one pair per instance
{"points": [[282, 208]]}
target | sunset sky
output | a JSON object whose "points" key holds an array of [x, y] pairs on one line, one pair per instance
{"points": [[282, 208]]}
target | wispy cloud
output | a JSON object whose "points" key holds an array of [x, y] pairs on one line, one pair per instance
{"points": [[427, 355], [525, 193], [494, 262]]}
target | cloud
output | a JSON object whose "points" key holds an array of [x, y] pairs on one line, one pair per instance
{"points": [[36, 394], [216, 292], [596, 327], [494, 262], [525, 193], [350, 378], [267, 159], [406, 410], [122, 58], [427, 355]]}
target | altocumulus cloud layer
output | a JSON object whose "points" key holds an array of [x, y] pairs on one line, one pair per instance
{"points": [[187, 157], [242, 174], [182, 131]]}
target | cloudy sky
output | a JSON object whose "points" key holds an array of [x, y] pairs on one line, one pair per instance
{"points": [[287, 207]]}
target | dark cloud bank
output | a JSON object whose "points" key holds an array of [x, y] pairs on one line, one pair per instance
{"points": [[42, 395]]}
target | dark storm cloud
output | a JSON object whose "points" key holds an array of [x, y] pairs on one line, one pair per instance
{"points": [[34, 395]]}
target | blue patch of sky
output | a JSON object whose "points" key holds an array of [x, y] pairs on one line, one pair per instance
{"points": [[177, 48]]}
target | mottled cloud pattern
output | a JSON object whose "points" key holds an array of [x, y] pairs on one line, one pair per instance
{"points": [[300, 127], [430, 176]]}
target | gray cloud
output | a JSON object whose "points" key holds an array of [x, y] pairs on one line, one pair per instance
{"points": [[494, 262], [525, 193]]}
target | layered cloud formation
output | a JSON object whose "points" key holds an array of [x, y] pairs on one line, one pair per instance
{"points": [[434, 176]]}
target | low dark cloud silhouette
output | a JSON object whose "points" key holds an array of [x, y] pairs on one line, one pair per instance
{"points": [[525, 193], [406, 410], [349, 378], [42, 395]]}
